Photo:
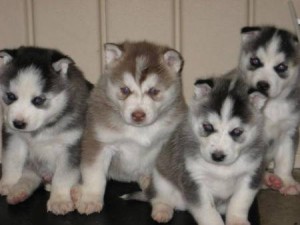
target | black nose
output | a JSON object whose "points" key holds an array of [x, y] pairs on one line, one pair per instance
{"points": [[262, 85], [19, 124], [218, 156]]}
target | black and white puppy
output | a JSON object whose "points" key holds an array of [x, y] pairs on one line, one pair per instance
{"points": [[213, 162], [44, 103], [269, 62]]}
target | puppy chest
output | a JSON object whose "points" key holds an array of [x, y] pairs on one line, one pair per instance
{"points": [[132, 160], [280, 116]]}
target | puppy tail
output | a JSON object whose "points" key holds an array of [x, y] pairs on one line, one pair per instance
{"points": [[138, 196]]}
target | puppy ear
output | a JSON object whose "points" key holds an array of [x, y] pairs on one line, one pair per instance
{"points": [[202, 88], [112, 52], [174, 60], [62, 65], [8, 55], [258, 100], [249, 33]]}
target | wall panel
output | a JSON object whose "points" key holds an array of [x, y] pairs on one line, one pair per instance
{"points": [[72, 27], [12, 23], [207, 32], [274, 12], [210, 37], [140, 20]]}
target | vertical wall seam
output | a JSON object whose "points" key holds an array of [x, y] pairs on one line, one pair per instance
{"points": [[177, 25], [251, 12], [103, 31], [29, 18]]}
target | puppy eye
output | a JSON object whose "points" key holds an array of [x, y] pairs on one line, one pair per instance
{"points": [[125, 91], [11, 97], [153, 92], [236, 132], [38, 101], [208, 127], [281, 68], [255, 62]]}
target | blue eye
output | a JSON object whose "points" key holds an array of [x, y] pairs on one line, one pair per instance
{"points": [[236, 132], [281, 68], [255, 62], [153, 92], [10, 98], [125, 91], [38, 101], [208, 127]]}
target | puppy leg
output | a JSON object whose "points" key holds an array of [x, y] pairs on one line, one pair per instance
{"points": [[13, 160], [165, 197], [284, 163], [65, 177], [28, 182], [205, 212], [88, 196], [144, 182], [240, 202]]}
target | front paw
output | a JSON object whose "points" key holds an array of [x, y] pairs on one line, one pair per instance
{"points": [[291, 188], [4, 188], [162, 213], [18, 194], [85, 201], [60, 205]]}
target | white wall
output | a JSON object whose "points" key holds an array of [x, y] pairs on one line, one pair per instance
{"points": [[205, 31]]}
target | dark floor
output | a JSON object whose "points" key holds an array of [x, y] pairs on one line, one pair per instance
{"points": [[276, 209]]}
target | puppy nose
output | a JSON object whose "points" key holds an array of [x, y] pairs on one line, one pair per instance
{"points": [[19, 124], [262, 85], [218, 156], [138, 116]]}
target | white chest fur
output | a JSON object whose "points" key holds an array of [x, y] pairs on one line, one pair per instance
{"points": [[46, 147], [280, 118], [220, 181], [135, 149]]}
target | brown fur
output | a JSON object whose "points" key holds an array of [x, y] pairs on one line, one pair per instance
{"points": [[103, 112]]}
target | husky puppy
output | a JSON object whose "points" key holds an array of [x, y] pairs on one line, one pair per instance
{"points": [[270, 63], [133, 109], [213, 161], [44, 104]]}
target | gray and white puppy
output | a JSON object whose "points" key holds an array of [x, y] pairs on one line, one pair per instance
{"points": [[213, 162], [133, 110], [269, 61], [44, 104]]}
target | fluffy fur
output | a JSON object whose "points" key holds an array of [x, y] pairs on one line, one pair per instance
{"points": [[44, 104], [269, 62], [135, 106], [213, 161]]}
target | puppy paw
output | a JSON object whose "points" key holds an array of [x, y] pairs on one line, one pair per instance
{"points": [[272, 181], [85, 202], [59, 205], [17, 194], [4, 188], [292, 188], [162, 213]]}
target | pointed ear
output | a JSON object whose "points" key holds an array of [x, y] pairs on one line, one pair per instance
{"points": [[112, 52], [62, 65], [7, 55], [249, 33], [202, 88], [174, 60], [258, 100], [60, 62]]}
